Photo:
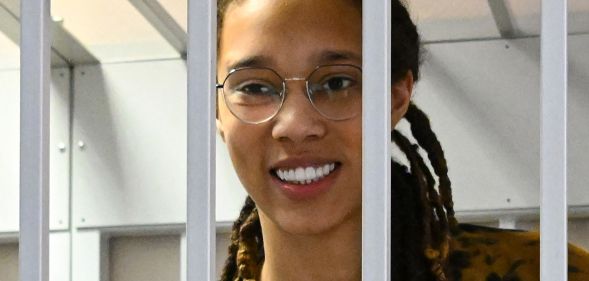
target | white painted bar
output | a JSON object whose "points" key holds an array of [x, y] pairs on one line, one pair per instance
{"points": [[34, 140], [201, 58], [183, 249], [553, 211], [376, 122]]}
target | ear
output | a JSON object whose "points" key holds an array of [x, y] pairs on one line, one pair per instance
{"points": [[402, 90]]}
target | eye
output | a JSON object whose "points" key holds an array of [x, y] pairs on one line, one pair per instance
{"points": [[255, 89], [336, 83]]}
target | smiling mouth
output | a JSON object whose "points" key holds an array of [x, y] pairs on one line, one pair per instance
{"points": [[305, 174]]}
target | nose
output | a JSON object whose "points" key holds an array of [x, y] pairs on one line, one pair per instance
{"points": [[298, 121]]}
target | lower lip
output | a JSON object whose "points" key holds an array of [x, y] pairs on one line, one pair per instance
{"points": [[307, 191]]}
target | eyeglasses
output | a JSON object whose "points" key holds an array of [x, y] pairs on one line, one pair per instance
{"points": [[256, 94]]}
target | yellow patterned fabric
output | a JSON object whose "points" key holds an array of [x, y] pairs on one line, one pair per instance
{"points": [[488, 254]]}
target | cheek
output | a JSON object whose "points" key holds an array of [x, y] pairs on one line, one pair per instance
{"points": [[356, 155], [355, 135], [247, 151], [242, 147]]}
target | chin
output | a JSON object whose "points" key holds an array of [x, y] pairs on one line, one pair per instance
{"points": [[312, 224]]}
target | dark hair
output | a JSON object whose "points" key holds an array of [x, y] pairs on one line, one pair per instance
{"points": [[419, 250]]}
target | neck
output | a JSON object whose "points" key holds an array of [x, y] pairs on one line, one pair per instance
{"points": [[333, 255]]}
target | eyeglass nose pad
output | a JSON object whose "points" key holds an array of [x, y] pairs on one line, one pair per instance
{"points": [[294, 79], [305, 89]]}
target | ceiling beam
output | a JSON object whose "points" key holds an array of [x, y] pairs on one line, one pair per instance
{"points": [[66, 45], [163, 22], [9, 24], [502, 18], [65, 49]]}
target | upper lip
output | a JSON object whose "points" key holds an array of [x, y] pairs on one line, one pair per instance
{"points": [[301, 161]]}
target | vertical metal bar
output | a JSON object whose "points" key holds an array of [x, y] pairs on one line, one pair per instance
{"points": [[553, 211], [200, 229], [183, 249], [34, 140], [376, 122]]}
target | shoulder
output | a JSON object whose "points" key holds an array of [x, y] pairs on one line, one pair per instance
{"points": [[492, 254]]}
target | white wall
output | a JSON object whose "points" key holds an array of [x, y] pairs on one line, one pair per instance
{"points": [[9, 149], [132, 171]]}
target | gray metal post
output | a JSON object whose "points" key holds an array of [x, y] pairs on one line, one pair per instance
{"points": [[200, 229], [34, 140], [553, 211], [376, 162]]}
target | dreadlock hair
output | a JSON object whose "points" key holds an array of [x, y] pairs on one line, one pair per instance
{"points": [[419, 251], [436, 212]]}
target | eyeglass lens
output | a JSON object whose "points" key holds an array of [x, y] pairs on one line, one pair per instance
{"points": [[255, 95]]}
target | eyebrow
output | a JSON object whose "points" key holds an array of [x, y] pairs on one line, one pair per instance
{"points": [[252, 61], [331, 56], [325, 57]]}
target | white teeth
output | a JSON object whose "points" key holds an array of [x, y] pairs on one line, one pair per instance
{"points": [[310, 173], [300, 173], [319, 172], [305, 175]]}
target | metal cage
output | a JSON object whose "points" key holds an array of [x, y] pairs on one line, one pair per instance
{"points": [[201, 58]]}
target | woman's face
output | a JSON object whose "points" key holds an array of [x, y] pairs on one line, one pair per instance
{"points": [[293, 37]]}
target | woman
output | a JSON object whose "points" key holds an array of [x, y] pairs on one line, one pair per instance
{"points": [[290, 114]]}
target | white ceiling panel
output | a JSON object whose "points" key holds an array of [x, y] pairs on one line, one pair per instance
{"points": [[442, 20], [9, 53], [526, 16], [112, 30], [179, 10]]}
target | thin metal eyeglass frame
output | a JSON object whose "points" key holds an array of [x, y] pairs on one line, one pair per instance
{"points": [[283, 91]]}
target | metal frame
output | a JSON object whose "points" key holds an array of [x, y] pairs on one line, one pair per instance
{"points": [[67, 47], [163, 22], [502, 18], [202, 59], [376, 154], [66, 50], [200, 237], [9, 24], [34, 141], [553, 210]]}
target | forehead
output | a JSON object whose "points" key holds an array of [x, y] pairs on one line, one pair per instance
{"points": [[290, 34]]}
